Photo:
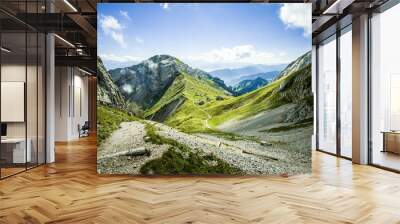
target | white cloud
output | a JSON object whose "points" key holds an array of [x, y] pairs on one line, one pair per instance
{"points": [[119, 38], [296, 15], [164, 6], [236, 56], [127, 88], [119, 58], [111, 26], [125, 15], [139, 40]]}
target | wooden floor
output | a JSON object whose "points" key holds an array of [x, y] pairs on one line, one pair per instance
{"points": [[387, 159], [5, 172], [70, 191]]}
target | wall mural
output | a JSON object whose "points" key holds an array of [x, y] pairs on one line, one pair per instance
{"points": [[204, 89]]}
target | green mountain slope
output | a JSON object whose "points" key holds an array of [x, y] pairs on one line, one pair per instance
{"points": [[291, 92], [197, 104], [183, 104], [293, 88]]}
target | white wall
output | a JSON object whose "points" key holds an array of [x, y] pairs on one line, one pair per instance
{"points": [[33, 126], [81, 85], [70, 83], [62, 82]]}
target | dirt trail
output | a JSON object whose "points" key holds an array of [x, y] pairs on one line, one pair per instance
{"points": [[246, 154], [129, 136]]}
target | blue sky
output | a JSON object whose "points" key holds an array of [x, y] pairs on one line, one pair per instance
{"points": [[206, 36]]}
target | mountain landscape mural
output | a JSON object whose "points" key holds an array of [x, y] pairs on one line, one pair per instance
{"points": [[169, 114]]}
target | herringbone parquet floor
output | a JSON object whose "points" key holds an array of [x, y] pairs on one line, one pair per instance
{"points": [[70, 191]]}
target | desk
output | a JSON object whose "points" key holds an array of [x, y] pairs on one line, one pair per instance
{"points": [[16, 148], [391, 141]]}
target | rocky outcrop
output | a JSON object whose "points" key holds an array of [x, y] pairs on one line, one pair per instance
{"points": [[296, 65], [107, 92], [297, 89], [145, 83]]}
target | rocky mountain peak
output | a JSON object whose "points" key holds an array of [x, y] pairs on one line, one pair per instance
{"points": [[296, 65], [162, 57], [146, 82]]}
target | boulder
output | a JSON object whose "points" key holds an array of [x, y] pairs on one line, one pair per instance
{"points": [[141, 151], [219, 98]]}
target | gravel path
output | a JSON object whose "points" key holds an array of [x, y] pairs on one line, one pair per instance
{"points": [[250, 156], [129, 136]]}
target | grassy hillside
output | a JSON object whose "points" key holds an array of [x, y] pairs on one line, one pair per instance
{"points": [[293, 88], [108, 120], [190, 104], [183, 104]]}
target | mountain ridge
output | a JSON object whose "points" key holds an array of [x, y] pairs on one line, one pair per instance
{"points": [[146, 82], [192, 100], [291, 92], [181, 105], [292, 89], [295, 65]]}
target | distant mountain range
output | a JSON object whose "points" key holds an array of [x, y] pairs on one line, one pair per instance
{"points": [[249, 85], [268, 76], [234, 76]]}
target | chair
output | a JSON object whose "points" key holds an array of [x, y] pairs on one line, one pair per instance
{"points": [[84, 130]]}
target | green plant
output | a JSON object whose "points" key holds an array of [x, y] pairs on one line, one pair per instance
{"points": [[180, 159]]}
